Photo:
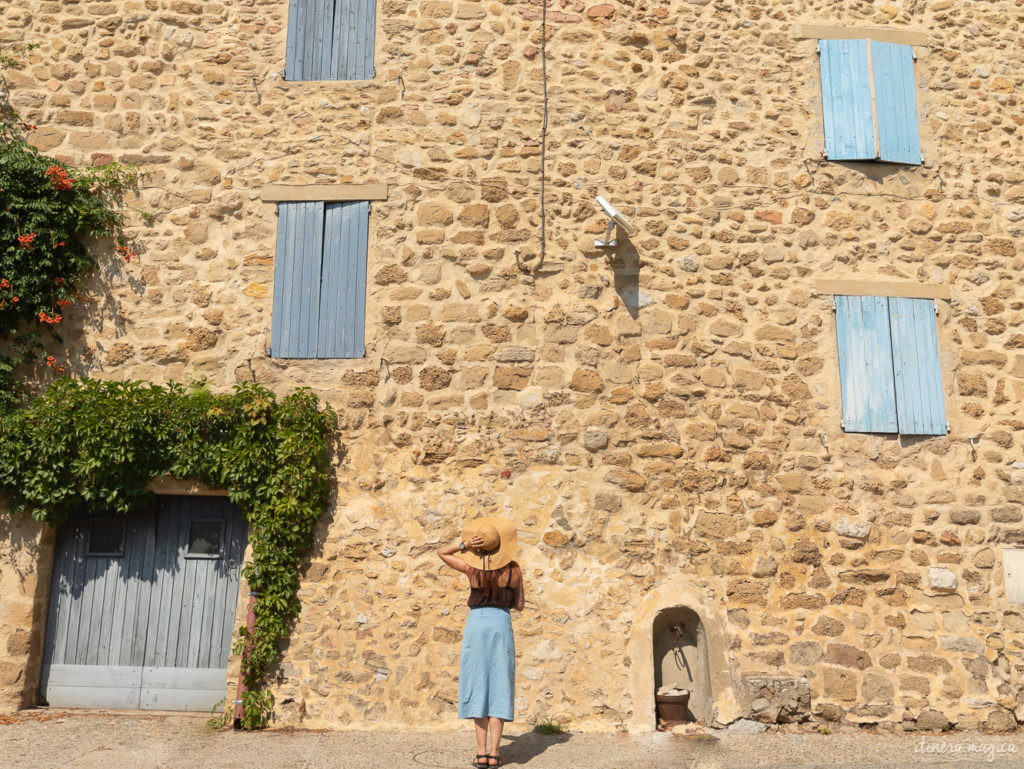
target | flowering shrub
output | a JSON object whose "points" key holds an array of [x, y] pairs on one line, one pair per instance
{"points": [[49, 212]]}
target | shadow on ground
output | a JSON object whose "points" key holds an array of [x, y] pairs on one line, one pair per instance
{"points": [[521, 748]]}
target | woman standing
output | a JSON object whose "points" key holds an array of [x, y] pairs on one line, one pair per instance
{"points": [[487, 670]]}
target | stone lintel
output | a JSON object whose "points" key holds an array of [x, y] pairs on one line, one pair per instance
{"points": [[881, 288], [900, 35], [168, 485], [280, 193]]}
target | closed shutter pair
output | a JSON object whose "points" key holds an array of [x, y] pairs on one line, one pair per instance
{"points": [[320, 280], [869, 102], [330, 40], [889, 365]]}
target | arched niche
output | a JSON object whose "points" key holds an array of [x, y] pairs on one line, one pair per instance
{"points": [[723, 695]]}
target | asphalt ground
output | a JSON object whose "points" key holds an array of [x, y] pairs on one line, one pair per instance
{"points": [[109, 740]]}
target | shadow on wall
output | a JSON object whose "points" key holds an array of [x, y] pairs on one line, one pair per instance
{"points": [[625, 263]]}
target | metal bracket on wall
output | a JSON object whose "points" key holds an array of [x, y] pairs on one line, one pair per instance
{"points": [[608, 241]]}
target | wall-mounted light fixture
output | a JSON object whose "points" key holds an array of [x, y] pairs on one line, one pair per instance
{"points": [[614, 217]]}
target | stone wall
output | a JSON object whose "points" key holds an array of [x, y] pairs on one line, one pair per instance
{"points": [[672, 410], [26, 560]]}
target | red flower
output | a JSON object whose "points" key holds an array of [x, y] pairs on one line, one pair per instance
{"points": [[26, 240], [60, 178], [5, 283], [58, 245], [14, 299], [58, 281]]}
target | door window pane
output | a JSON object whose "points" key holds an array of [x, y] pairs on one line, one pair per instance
{"points": [[106, 537], [204, 538]]}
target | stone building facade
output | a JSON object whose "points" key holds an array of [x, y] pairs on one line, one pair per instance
{"points": [[661, 419]]}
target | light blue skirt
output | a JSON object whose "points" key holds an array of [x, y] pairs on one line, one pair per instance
{"points": [[487, 670]]}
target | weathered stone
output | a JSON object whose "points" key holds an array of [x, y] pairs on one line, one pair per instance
{"points": [[512, 377], [435, 378], [595, 440], [584, 380], [847, 656], [806, 653], [941, 578], [853, 529], [828, 626], [198, 339], [627, 479], [514, 355], [119, 353], [766, 566], [1000, 720], [746, 726], [967, 644], [780, 699], [931, 721], [964, 517], [839, 684]]}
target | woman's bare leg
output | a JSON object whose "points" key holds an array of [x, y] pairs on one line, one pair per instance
{"points": [[481, 736], [495, 726]]}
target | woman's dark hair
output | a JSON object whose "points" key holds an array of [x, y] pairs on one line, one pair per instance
{"points": [[491, 580]]}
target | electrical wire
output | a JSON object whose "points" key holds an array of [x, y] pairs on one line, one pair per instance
{"points": [[543, 132]]}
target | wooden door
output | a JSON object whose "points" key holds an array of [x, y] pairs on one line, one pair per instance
{"points": [[142, 606]]}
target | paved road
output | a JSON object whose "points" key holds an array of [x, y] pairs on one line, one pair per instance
{"points": [[92, 740]]}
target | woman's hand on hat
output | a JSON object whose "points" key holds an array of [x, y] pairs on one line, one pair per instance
{"points": [[476, 542]]}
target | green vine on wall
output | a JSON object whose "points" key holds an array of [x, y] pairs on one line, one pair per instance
{"points": [[98, 444]]}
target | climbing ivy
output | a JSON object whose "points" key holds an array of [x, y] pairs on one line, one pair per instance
{"points": [[98, 444]]}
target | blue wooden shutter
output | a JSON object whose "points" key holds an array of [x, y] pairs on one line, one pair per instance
{"points": [[343, 286], [330, 39], [300, 231], [299, 27], [895, 103], [354, 28], [846, 100], [865, 364], [915, 354]]}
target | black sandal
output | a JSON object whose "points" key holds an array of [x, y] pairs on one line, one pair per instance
{"points": [[481, 764], [497, 761]]}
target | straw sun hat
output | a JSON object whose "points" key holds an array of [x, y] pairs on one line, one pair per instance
{"points": [[499, 535]]}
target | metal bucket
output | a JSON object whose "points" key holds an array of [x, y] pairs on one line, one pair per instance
{"points": [[672, 708]]}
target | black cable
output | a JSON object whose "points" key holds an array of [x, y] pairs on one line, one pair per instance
{"points": [[543, 131]]}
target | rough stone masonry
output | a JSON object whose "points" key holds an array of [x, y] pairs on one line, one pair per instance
{"points": [[669, 410]]}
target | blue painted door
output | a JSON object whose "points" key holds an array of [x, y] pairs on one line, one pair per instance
{"points": [[142, 607]]}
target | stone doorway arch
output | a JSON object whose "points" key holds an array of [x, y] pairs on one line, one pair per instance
{"points": [[727, 700]]}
